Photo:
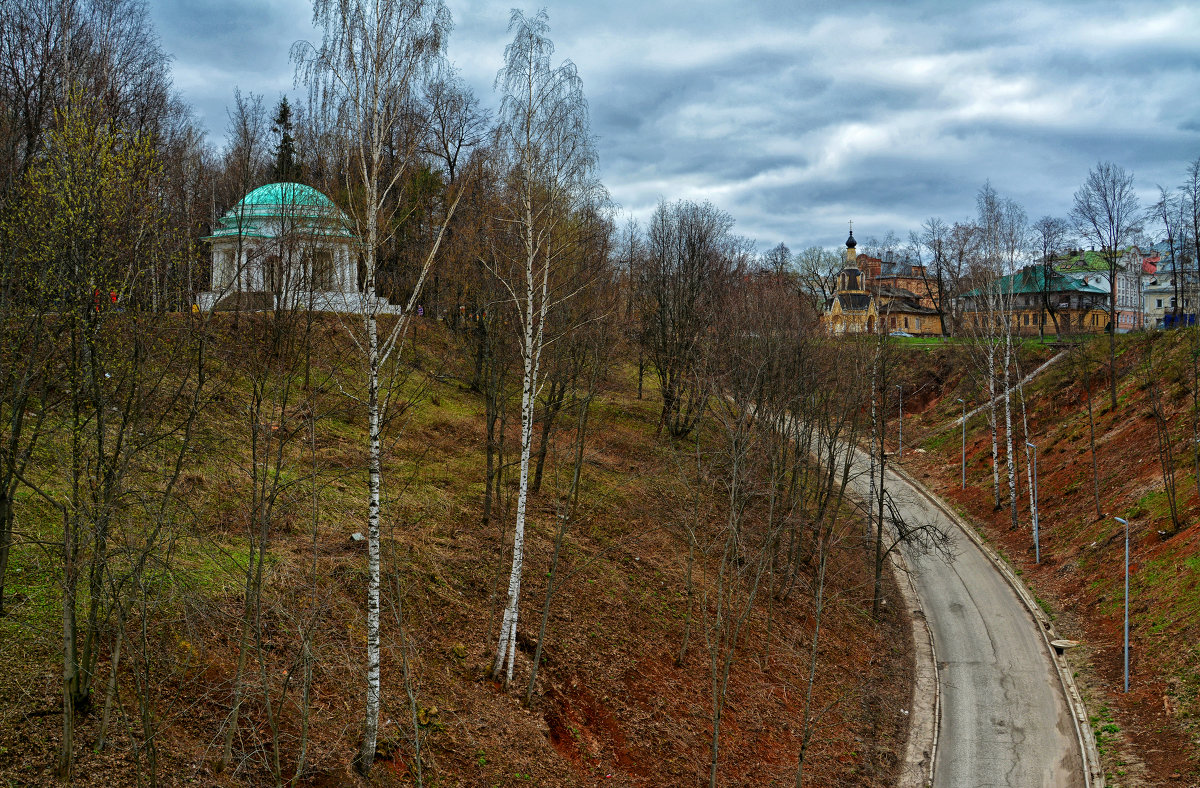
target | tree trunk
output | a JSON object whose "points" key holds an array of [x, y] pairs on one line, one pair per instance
{"points": [[111, 692], [531, 350], [1166, 454], [563, 520], [366, 754], [871, 452], [1008, 432], [991, 376], [66, 759], [806, 730], [1195, 406], [1087, 387], [1112, 348], [240, 672], [506, 649], [6, 527], [687, 613], [554, 401], [1028, 458], [877, 593], [491, 416]]}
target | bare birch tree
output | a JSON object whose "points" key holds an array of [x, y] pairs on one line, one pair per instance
{"points": [[545, 158], [1190, 235], [363, 79], [1003, 238]]}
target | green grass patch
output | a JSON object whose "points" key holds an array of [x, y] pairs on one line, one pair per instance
{"points": [[1153, 503], [1106, 730], [938, 442]]}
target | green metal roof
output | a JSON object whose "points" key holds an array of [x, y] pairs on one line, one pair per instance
{"points": [[1087, 261], [292, 194], [264, 210], [1032, 279]]}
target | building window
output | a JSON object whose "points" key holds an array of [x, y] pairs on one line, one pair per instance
{"points": [[1158, 303]]}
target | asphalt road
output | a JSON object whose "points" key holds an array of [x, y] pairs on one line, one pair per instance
{"points": [[1005, 720]]}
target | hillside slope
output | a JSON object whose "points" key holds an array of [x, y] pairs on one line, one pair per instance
{"points": [[611, 705], [1148, 737]]}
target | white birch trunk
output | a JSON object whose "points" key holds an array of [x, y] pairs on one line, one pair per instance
{"points": [[1008, 436], [535, 309], [374, 484], [506, 649], [991, 376]]}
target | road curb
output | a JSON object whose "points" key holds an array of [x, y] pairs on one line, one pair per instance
{"points": [[925, 720], [1093, 772]]}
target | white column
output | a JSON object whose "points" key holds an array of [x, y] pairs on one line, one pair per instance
{"points": [[350, 276], [254, 273]]}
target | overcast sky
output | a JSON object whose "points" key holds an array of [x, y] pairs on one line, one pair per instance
{"points": [[795, 118]]}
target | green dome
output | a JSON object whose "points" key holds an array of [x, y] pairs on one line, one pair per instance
{"points": [[291, 194], [263, 211]]}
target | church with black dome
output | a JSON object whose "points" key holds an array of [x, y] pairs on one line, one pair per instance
{"points": [[867, 301]]}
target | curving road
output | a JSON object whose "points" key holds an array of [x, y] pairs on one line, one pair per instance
{"points": [[1005, 720]]}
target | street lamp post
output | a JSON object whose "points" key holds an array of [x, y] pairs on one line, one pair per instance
{"points": [[1037, 548], [900, 444], [964, 442], [1125, 523]]}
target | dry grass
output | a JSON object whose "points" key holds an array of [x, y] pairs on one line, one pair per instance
{"points": [[611, 706]]}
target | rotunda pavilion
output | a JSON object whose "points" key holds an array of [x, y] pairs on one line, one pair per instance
{"points": [[285, 245]]}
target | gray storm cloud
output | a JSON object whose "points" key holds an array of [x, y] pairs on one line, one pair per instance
{"points": [[794, 118]]}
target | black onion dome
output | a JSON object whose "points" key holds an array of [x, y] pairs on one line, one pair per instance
{"points": [[850, 242]]}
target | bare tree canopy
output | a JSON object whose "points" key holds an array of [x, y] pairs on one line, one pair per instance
{"points": [[1048, 235], [691, 257], [818, 268], [1106, 211]]}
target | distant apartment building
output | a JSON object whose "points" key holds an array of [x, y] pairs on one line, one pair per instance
{"points": [[1091, 267], [1170, 286]]}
